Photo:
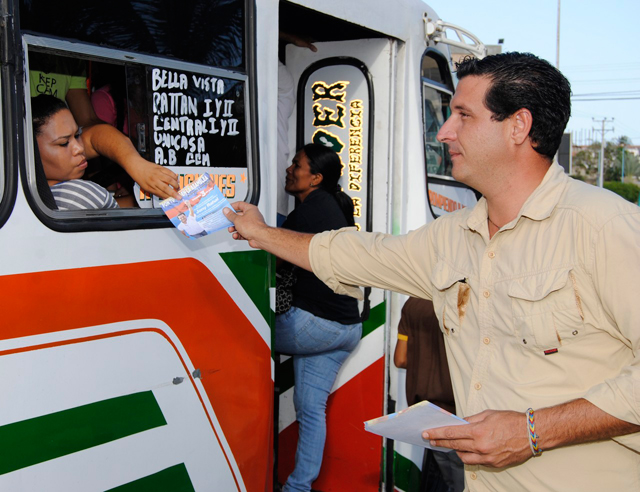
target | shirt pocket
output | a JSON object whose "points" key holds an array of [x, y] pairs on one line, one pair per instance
{"points": [[547, 311], [451, 298]]}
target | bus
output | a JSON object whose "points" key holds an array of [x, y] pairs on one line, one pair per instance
{"points": [[136, 359]]}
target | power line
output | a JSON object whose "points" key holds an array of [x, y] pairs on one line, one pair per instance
{"points": [[604, 93], [591, 81], [606, 99]]}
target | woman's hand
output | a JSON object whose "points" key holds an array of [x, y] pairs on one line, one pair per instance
{"points": [[155, 179]]}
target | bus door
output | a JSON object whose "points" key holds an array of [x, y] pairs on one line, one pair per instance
{"points": [[338, 105]]}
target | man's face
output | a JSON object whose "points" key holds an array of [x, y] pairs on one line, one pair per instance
{"points": [[477, 144], [183, 218]]}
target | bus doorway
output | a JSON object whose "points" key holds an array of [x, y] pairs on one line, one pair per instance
{"points": [[337, 104]]}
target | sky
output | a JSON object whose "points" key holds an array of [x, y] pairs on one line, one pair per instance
{"points": [[599, 52]]}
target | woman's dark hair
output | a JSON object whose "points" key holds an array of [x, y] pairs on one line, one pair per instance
{"points": [[323, 160], [522, 80], [44, 107]]}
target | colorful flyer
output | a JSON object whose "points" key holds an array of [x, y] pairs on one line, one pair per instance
{"points": [[199, 213]]}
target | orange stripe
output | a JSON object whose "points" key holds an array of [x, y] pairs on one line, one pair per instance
{"points": [[234, 360]]}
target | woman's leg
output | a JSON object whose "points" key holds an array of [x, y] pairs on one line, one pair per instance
{"points": [[300, 332], [314, 378], [315, 373]]}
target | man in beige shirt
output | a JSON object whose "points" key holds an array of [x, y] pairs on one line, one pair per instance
{"points": [[536, 290]]}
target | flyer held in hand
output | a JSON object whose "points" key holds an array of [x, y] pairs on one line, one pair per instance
{"points": [[199, 213]]}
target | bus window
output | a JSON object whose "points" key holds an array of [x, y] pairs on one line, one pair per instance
{"points": [[2, 158], [436, 111], [436, 97], [189, 118]]}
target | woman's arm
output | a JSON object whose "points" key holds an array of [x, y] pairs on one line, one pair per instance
{"points": [[107, 141]]}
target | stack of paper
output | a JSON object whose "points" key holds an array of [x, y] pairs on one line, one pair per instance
{"points": [[407, 425]]}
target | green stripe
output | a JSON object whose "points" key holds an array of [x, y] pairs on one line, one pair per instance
{"points": [[172, 479], [44, 438], [255, 271], [376, 319], [406, 475]]}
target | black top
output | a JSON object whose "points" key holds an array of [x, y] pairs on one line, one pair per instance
{"points": [[318, 213]]}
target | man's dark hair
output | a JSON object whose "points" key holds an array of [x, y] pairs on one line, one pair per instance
{"points": [[522, 80], [44, 107]]}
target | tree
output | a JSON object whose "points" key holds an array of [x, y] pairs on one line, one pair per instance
{"points": [[586, 161]]}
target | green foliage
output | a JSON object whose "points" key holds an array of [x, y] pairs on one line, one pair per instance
{"points": [[628, 191], [586, 160]]}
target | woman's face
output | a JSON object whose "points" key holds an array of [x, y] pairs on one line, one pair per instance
{"points": [[300, 180], [61, 150]]}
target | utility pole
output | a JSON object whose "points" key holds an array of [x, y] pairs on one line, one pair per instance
{"points": [[604, 121]]}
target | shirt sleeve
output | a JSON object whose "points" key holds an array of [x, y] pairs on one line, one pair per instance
{"points": [[347, 258], [104, 106], [403, 324], [615, 276], [77, 74]]}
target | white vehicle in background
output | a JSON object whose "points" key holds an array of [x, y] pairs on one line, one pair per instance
{"points": [[136, 359]]}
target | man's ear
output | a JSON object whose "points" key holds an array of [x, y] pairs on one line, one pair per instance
{"points": [[521, 125]]}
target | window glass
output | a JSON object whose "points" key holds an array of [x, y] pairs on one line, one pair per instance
{"points": [[208, 32], [2, 162], [437, 91], [431, 69], [436, 111], [189, 118]]}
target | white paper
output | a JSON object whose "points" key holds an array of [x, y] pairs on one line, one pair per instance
{"points": [[407, 425]]}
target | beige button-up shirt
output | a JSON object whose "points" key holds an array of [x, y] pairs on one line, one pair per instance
{"points": [[546, 311]]}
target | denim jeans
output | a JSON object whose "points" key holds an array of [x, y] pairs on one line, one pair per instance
{"points": [[319, 347]]}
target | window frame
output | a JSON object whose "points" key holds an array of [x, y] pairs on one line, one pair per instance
{"points": [[446, 88], [126, 218]]}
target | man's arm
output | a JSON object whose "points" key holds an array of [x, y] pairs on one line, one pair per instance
{"points": [[249, 224], [107, 141], [501, 438], [191, 212], [400, 354]]}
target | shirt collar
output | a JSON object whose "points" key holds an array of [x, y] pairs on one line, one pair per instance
{"points": [[538, 206]]}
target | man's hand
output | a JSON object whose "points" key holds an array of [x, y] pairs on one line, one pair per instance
{"points": [[155, 179], [492, 438], [248, 222]]}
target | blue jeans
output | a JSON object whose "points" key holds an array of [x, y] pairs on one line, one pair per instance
{"points": [[319, 347]]}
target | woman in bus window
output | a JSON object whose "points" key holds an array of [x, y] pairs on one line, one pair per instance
{"points": [[321, 328], [64, 150]]}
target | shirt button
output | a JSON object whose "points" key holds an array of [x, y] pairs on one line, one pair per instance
{"points": [[491, 255], [473, 475], [477, 386], [486, 293], [486, 340]]}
